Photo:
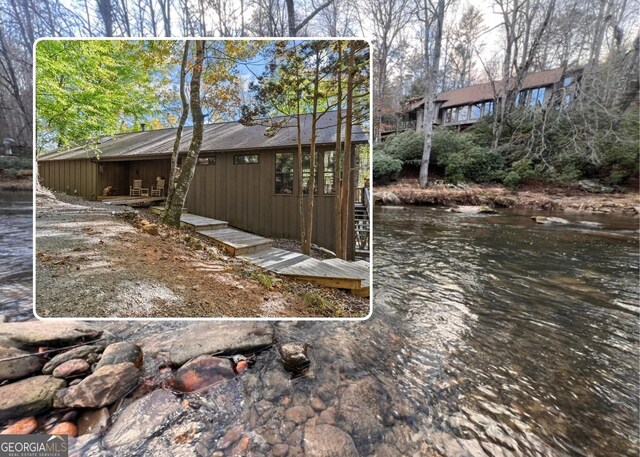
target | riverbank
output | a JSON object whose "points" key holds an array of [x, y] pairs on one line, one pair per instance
{"points": [[21, 181], [407, 192]]}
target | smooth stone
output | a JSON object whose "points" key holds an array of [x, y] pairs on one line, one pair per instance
{"points": [[103, 387], [549, 220], [220, 338], [142, 419], [50, 334], [121, 352], [360, 408], [328, 441], [298, 414], [93, 421], [71, 368], [317, 404], [18, 368], [64, 428], [21, 427], [201, 372], [232, 435], [389, 198], [465, 209], [328, 416], [28, 397], [90, 353], [294, 356], [590, 224], [280, 450]]}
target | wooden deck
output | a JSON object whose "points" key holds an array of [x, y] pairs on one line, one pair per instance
{"points": [[123, 200], [334, 273]]}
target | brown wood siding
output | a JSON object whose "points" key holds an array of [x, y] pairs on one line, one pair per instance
{"points": [[244, 195], [148, 171], [72, 177], [114, 174]]}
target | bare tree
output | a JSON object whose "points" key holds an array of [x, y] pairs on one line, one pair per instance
{"points": [[295, 25], [433, 18]]}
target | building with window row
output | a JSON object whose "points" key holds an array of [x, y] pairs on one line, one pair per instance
{"points": [[463, 107]]}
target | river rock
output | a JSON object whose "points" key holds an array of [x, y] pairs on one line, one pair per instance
{"points": [[482, 209], [20, 367], [220, 338], [71, 368], [360, 408], [21, 427], [591, 224], [327, 441], [203, 371], [64, 428], [594, 187], [142, 419], [294, 356], [389, 198], [38, 333], [90, 353], [549, 220], [93, 421], [103, 387], [121, 352], [28, 397], [299, 414]]}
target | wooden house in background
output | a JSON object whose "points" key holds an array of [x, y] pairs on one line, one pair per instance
{"points": [[463, 107], [245, 174]]}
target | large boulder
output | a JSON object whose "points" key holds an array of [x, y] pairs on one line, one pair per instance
{"points": [[550, 220], [103, 387], [28, 397], [201, 372], [360, 409], [38, 333], [220, 338], [121, 352], [90, 353], [594, 187], [142, 419], [328, 441], [16, 364]]}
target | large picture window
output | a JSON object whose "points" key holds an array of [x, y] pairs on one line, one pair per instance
{"points": [[244, 159], [284, 173], [329, 172]]}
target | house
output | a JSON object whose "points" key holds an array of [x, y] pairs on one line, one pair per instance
{"points": [[245, 174], [463, 107]]}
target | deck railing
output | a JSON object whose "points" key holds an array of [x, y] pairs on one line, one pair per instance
{"points": [[398, 126]]}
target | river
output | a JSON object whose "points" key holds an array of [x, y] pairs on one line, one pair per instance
{"points": [[16, 251], [518, 337]]}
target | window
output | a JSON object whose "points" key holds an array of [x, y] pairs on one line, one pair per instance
{"points": [[533, 97], [567, 81], [306, 173], [488, 108], [284, 173], [447, 116], [540, 100], [206, 160], [329, 172], [463, 113], [475, 111], [245, 159], [454, 114]]}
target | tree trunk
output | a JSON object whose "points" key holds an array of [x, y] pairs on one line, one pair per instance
{"points": [[306, 244], [174, 210], [171, 184], [346, 199], [433, 68], [337, 180]]}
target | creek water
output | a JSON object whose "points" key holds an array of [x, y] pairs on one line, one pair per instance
{"points": [[16, 251], [518, 338]]}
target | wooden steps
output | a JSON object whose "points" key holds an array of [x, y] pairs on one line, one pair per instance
{"points": [[199, 223], [275, 259], [237, 242]]}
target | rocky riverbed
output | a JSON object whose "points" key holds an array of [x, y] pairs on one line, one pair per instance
{"points": [[198, 389]]}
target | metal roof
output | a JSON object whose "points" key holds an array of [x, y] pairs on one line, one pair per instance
{"points": [[484, 91], [220, 137]]}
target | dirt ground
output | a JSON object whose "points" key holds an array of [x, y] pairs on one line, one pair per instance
{"points": [[92, 260], [537, 197]]}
